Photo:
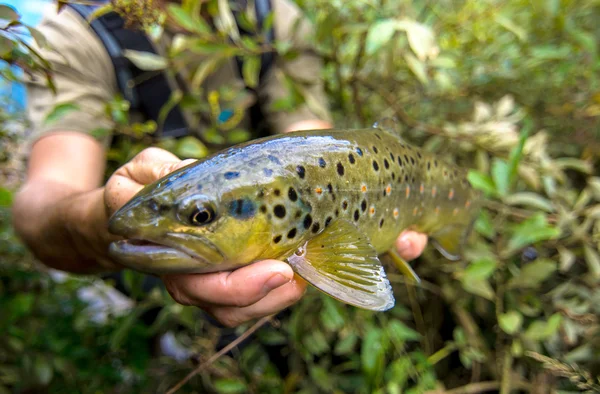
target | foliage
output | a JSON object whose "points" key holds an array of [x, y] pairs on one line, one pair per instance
{"points": [[507, 88]]}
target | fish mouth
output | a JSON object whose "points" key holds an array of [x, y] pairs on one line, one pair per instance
{"points": [[175, 253]]}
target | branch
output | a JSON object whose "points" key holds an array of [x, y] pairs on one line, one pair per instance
{"points": [[223, 351]]}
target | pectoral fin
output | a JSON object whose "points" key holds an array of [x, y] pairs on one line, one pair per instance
{"points": [[342, 263], [403, 266]]}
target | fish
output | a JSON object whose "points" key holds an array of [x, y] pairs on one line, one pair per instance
{"points": [[327, 202]]}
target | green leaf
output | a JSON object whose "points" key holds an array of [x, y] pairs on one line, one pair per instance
{"points": [[531, 200], [420, 39], [59, 111], [331, 314], [237, 136], [510, 322], [186, 21], [8, 13], [38, 37], [479, 287], [593, 261], [399, 332], [484, 225], [346, 345], [42, 370], [191, 147], [512, 27], [417, 67], [230, 386], [251, 70], [380, 33], [372, 354], [540, 330], [500, 175], [532, 230], [480, 269], [6, 45], [146, 61], [482, 182], [534, 274], [6, 197]]}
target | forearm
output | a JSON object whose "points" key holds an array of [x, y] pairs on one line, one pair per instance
{"points": [[65, 228]]}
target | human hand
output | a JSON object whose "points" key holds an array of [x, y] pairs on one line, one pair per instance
{"points": [[232, 297]]}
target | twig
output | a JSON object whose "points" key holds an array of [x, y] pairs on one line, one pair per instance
{"points": [[223, 351]]}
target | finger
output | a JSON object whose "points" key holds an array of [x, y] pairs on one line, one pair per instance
{"points": [[411, 244], [149, 165], [238, 288], [275, 301]]}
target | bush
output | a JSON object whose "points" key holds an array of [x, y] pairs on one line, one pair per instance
{"points": [[507, 88]]}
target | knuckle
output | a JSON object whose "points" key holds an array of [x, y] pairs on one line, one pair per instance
{"points": [[228, 318]]}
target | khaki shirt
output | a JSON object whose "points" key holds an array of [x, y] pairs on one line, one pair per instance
{"points": [[84, 74]]}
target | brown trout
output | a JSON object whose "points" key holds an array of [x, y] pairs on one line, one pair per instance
{"points": [[328, 202]]}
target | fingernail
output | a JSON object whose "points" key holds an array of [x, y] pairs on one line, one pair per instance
{"points": [[403, 245], [274, 282]]}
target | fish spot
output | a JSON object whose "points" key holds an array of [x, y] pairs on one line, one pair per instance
{"points": [[433, 191], [277, 239], [319, 190], [412, 160], [261, 193], [330, 188], [377, 135], [356, 215], [422, 188], [267, 171], [199, 187], [274, 159], [468, 204], [396, 213], [428, 166], [351, 158], [419, 155], [451, 194], [337, 213], [435, 163], [446, 173], [279, 211], [392, 157], [406, 178], [375, 165], [363, 188], [406, 160], [372, 210], [242, 208], [381, 223], [363, 205], [375, 149], [359, 151], [293, 196], [263, 208], [231, 175], [315, 227], [340, 169], [407, 191], [388, 189], [322, 162], [393, 176], [307, 221], [298, 214], [277, 192], [292, 233], [301, 171], [345, 205], [328, 221], [386, 164]]}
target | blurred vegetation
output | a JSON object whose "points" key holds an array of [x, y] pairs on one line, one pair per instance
{"points": [[507, 88]]}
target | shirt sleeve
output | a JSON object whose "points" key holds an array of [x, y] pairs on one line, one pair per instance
{"points": [[83, 75], [305, 70]]}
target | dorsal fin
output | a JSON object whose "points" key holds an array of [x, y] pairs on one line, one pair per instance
{"points": [[389, 125]]}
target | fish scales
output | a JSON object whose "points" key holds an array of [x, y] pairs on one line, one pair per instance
{"points": [[328, 201]]}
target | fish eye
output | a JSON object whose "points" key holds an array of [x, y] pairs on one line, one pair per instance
{"points": [[202, 215]]}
